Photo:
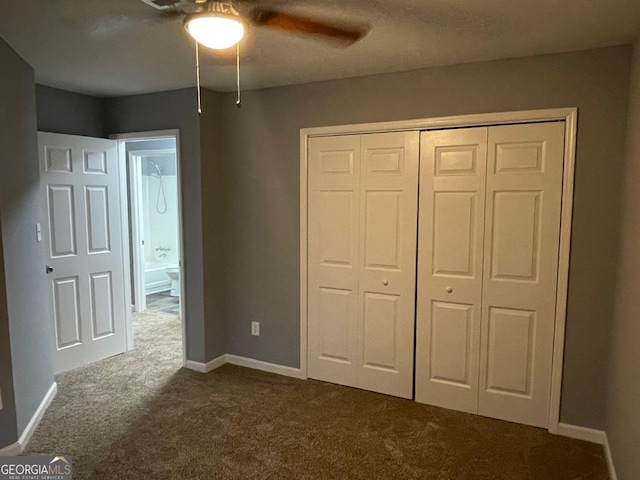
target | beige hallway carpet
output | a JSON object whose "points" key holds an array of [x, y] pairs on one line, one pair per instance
{"points": [[141, 416]]}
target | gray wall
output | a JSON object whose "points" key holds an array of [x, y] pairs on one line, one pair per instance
{"points": [[60, 111], [260, 192], [213, 223], [623, 407], [174, 110], [24, 260], [8, 427]]}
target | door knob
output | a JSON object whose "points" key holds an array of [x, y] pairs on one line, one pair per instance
{"points": [[385, 282], [49, 269], [449, 289]]}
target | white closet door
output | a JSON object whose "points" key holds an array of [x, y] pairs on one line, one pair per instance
{"points": [[333, 236], [388, 231], [524, 190], [452, 196], [362, 251]]}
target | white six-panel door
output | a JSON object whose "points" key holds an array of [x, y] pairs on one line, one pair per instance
{"points": [[362, 253], [521, 246], [334, 227], [490, 265], [452, 198], [388, 234], [82, 233]]}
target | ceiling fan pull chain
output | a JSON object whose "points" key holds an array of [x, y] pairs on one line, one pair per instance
{"points": [[239, 100], [198, 79]]}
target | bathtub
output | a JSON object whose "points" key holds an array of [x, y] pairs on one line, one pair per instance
{"points": [[155, 277]]}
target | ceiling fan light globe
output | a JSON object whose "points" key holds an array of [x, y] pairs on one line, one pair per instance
{"points": [[215, 31]]}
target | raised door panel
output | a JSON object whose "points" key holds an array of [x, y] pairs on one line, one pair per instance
{"points": [[522, 231], [336, 213], [66, 311], [454, 230], [103, 322], [334, 329], [387, 249], [510, 362], [57, 160], [380, 342], [450, 353], [333, 229], [452, 197], [515, 251], [97, 220], [95, 162], [61, 216], [382, 236]]}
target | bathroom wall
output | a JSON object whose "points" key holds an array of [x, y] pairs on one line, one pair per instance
{"points": [[161, 231]]}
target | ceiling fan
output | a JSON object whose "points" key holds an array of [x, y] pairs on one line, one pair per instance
{"points": [[222, 24]]}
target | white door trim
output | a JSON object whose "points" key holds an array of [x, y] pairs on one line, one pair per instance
{"points": [[126, 252], [135, 177], [568, 115], [157, 134]]}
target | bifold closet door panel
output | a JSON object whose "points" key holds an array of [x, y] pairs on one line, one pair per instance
{"points": [[388, 232], [522, 231], [452, 198], [363, 194], [333, 242]]}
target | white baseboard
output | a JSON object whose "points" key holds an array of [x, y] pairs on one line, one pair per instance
{"points": [[206, 367], [18, 447], [582, 433], [264, 366], [157, 287], [609, 457], [243, 362], [590, 435]]}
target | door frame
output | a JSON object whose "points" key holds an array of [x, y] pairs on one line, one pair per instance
{"points": [[122, 138], [568, 115], [137, 219]]}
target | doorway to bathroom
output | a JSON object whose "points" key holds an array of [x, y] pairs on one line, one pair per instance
{"points": [[153, 187], [151, 162]]}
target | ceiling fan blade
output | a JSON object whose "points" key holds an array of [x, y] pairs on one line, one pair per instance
{"points": [[340, 34], [177, 7], [164, 5]]}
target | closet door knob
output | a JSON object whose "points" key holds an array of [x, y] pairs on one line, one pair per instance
{"points": [[449, 289], [385, 282]]}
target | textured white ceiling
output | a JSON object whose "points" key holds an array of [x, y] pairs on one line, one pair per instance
{"points": [[118, 47]]}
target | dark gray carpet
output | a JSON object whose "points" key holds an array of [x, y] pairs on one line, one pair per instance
{"points": [[140, 416]]}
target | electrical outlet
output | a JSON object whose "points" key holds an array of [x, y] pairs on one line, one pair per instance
{"points": [[255, 329]]}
